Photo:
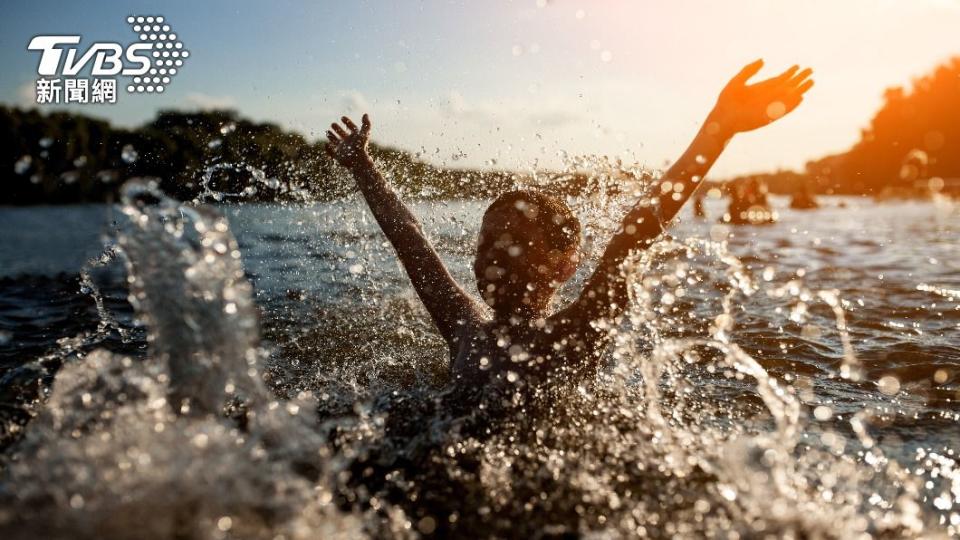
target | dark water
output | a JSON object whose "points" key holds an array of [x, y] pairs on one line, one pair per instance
{"points": [[340, 324]]}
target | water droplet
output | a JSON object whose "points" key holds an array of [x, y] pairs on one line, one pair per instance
{"points": [[823, 413], [129, 154], [200, 440], [889, 385], [23, 165], [776, 110], [427, 525]]}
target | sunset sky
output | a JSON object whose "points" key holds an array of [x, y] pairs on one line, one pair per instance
{"points": [[514, 84]]}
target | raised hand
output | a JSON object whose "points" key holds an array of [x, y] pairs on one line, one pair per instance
{"points": [[349, 146], [744, 107], [447, 303]]}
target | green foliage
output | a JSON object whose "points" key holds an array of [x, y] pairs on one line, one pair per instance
{"points": [[64, 158], [67, 158]]}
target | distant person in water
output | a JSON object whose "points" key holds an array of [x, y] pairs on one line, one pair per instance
{"points": [[699, 211], [804, 199], [528, 247], [749, 205]]}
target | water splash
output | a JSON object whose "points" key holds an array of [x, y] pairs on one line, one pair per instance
{"points": [[125, 447], [686, 433], [106, 321], [188, 286]]}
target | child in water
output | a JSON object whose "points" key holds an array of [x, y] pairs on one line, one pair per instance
{"points": [[528, 247]]}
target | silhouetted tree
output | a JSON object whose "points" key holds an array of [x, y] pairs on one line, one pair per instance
{"points": [[63, 157], [914, 135]]}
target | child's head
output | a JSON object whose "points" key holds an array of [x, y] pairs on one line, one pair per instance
{"points": [[528, 246]]}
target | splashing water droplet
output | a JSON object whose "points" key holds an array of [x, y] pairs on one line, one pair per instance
{"points": [[889, 385], [823, 413], [776, 110], [129, 154], [22, 166]]}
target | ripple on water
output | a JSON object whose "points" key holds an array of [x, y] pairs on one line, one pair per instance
{"points": [[697, 427]]}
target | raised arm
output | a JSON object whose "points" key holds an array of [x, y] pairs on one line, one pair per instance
{"points": [[447, 303], [741, 107]]}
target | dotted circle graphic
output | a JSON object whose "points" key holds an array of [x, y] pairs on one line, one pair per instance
{"points": [[167, 52]]}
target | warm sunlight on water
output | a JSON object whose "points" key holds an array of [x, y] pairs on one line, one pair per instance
{"points": [[748, 330], [287, 271]]}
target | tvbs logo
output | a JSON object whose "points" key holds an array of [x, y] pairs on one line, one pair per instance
{"points": [[107, 57], [150, 63]]}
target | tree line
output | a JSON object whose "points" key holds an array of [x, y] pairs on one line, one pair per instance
{"points": [[64, 157]]}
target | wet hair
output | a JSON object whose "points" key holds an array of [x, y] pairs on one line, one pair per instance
{"points": [[548, 213]]}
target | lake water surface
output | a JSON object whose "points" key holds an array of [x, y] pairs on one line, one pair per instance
{"points": [[852, 311]]}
